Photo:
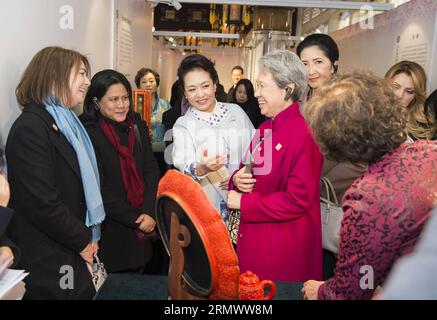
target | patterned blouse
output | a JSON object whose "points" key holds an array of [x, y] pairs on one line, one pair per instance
{"points": [[384, 212]]}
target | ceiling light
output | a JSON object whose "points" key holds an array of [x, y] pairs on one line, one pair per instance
{"points": [[176, 5], [324, 4], [183, 48], [177, 34], [173, 3]]}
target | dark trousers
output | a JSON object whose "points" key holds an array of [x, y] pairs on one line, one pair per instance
{"points": [[163, 166], [139, 270], [160, 260]]}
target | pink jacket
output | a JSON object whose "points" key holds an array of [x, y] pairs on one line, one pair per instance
{"points": [[280, 228]]}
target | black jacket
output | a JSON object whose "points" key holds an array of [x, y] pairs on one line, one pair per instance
{"points": [[220, 93], [170, 116], [120, 249], [230, 96], [251, 107], [48, 198]]}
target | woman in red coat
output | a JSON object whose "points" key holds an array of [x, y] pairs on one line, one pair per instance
{"points": [[280, 229]]}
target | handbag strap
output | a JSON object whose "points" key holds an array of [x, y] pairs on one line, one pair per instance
{"points": [[329, 189], [95, 260]]}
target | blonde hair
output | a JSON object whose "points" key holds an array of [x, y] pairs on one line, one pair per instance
{"points": [[49, 72], [419, 125]]}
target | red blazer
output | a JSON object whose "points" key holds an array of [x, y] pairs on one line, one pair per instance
{"points": [[280, 227]]}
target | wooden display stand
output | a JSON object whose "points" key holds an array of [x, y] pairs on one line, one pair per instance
{"points": [[142, 104], [176, 284], [203, 263]]}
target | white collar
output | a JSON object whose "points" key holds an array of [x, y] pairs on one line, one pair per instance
{"points": [[213, 118]]}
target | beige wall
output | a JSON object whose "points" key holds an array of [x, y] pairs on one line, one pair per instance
{"points": [[409, 26], [28, 26], [141, 16]]}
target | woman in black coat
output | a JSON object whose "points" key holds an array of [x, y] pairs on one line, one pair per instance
{"points": [[53, 179], [128, 170], [243, 95]]}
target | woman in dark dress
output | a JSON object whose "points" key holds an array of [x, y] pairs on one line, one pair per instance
{"points": [[243, 95], [128, 171], [320, 54]]}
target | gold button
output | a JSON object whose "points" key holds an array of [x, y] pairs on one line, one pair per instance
{"points": [[241, 235]]}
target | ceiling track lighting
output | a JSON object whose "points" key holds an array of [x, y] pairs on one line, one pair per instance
{"points": [[323, 4], [172, 3]]}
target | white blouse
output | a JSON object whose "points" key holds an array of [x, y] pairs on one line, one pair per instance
{"points": [[226, 131]]}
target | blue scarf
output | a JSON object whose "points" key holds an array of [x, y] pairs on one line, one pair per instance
{"points": [[70, 125]]}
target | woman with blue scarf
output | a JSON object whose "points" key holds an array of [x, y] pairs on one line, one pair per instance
{"points": [[54, 179]]}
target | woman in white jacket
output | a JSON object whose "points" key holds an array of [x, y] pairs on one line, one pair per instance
{"points": [[212, 137]]}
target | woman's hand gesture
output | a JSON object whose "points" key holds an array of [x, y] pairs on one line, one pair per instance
{"points": [[210, 164], [244, 181]]}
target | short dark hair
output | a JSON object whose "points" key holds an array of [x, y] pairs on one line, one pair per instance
{"points": [[142, 72], [431, 110], [356, 118], [49, 71], [100, 84], [196, 61], [238, 68], [324, 43]]}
